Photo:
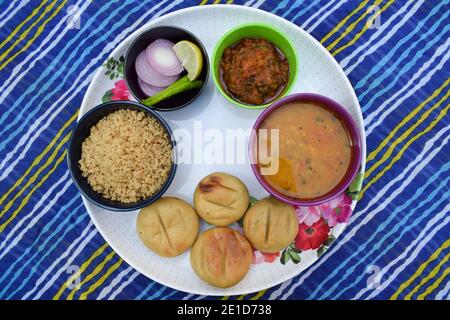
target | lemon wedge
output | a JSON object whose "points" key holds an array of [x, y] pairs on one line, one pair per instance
{"points": [[190, 57]]}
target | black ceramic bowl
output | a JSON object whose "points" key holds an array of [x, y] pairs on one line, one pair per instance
{"points": [[173, 34], [82, 131]]}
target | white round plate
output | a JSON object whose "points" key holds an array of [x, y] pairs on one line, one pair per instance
{"points": [[318, 72]]}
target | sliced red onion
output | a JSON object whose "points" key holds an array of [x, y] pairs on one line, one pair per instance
{"points": [[149, 75], [162, 58], [149, 90]]}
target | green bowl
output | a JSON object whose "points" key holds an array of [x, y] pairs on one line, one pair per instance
{"points": [[255, 30]]}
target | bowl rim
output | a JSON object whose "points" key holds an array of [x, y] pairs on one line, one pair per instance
{"points": [[214, 56], [350, 126], [205, 64], [141, 203]]}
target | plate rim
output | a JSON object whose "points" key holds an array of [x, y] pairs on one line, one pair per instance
{"points": [[152, 23]]}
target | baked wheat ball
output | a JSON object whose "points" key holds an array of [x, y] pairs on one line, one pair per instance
{"points": [[168, 227], [270, 225], [221, 199], [221, 257]]}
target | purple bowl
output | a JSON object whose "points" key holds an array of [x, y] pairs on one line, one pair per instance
{"points": [[352, 130]]}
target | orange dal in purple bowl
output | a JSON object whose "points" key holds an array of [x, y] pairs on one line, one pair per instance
{"points": [[314, 150]]}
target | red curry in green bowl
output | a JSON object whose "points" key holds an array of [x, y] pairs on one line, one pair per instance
{"points": [[254, 71]]}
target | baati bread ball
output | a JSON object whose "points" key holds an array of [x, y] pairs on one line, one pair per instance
{"points": [[221, 257], [270, 225], [168, 226], [221, 199]]}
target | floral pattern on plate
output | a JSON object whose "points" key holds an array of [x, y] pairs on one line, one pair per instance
{"points": [[315, 226], [114, 70]]}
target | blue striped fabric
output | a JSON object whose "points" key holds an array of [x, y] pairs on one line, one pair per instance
{"points": [[397, 244]]}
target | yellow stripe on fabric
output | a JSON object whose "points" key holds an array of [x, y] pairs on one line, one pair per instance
{"points": [[350, 28], [344, 21], [216, 2], [39, 31], [39, 158], [28, 196], [229, 1], [430, 276], [16, 29], [411, 115], [435, 285], [90, 276], [24, 34], [404, 148], [364, 29], [405, 134], [83, 267], [36, 174], [203, 2], [259, 295], [419, 271], [100, 281], [255, 297]]}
